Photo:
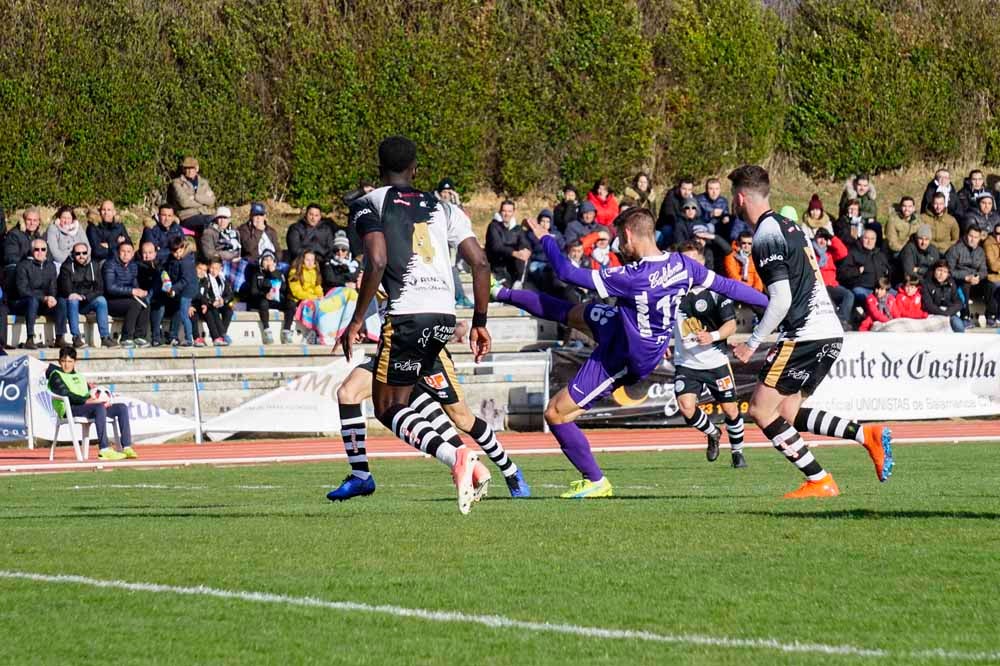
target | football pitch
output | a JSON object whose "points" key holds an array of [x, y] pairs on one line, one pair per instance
{"points": [[691, 563]]}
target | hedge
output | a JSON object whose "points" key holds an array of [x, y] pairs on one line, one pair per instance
{"points": [[289, 98]]}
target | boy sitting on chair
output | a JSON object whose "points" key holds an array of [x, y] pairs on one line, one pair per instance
{"points": [[63, 379]]}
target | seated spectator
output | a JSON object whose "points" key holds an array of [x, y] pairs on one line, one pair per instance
{"points": [[739, 264], [163, 232], [712, 247], [903, 223], [36, 279], [829, 252], [944, 228], [265, 288], [918, 255], [17, 242], [967, 262], [982, 215], [345, 269], [567, 210], [82, 287], [642, 193], [587, 224], [713, 208], [815, 218], [150, 276], [863, 267], [597, 247], [941, 184], [880, 305], [220, 239], [605, 202], [670, 211], [506, 247], [540, 272], [215, 296], [690, 216], [859, 189], [311, 233], [257, 236], [125, 297], [973, 188], [192, 197], [849, 227], [304, 284], [64, 232], [105, 236], [908, 314], [991, 247], [569, 292], [182, 289], [940, 295], [63, 379]]}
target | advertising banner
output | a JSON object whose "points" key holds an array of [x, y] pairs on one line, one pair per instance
{"points": [[13, 398]]}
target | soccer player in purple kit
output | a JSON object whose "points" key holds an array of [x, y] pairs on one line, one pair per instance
{"points": [[632, 336]]}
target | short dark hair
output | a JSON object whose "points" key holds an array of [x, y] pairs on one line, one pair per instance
{"points": [[573, 245], [507, 202], [975, 171], [913, 279], [688, 246], [166, 206], [215, 259], [908, 198], [940, 263], [396, 154], [938, 195], [749, 234], [176, 242], [751, 177], [885, 283], [638, 220], [313, 205], [862, 176], [685, 179], [824, 234], [67, 352]]}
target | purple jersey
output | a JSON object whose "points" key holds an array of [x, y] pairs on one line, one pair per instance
{"points": [[648, 292]]}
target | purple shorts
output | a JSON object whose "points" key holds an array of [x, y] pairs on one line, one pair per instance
{"points": [[607, 367]]}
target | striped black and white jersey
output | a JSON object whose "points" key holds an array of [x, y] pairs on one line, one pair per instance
{"points": [[782, 252], [418, 228]]}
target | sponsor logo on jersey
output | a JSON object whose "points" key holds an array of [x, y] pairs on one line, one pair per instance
{"points": [[724, 383], [666, 276], [437, 381], [774, 257], [700, 305], [407, 366], [401, 202]]}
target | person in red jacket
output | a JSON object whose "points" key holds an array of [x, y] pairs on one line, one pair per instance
{"points": [[830, 251], [909, 301], [880, 306], [605, 202]]}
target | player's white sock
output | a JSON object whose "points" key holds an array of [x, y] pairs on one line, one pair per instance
{"points": [[411, 427]]}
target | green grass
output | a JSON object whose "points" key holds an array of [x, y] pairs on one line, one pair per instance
{"points": [[686, 548]]}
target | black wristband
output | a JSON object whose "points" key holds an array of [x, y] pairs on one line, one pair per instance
{"points": [[478, 319]]}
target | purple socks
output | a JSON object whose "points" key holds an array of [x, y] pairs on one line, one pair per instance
{"points": [[576, 447], [540, 305]]}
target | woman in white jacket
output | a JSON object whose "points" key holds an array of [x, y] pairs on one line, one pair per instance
{"points": [[64, 232]]}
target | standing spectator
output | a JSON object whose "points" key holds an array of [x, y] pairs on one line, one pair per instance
{"points": [[506, 247], [940, 295], [642, 193], [973, 188], [310, 233], [815, 218], [38, 293], [17, 242], [982, 215], [860, 189], [670, 211], [63, 379], [125, 297], [918, 255], [192, 197], [105, 236], [445, 191], [880, 305], [163, 232], [944, 228], [345, 269], [183, 277], [712, 206], [739, 263], [220, 239], [266, 287], [605, 202], [304, 284], [863, 267], [64, 232], [215, 296], [684, 227], [903, 223], [991, 247], [82, 287], [257, 236], [829, 252], [940, 185], [567, 210], [967, 262], [587, 224], [150, 276]]}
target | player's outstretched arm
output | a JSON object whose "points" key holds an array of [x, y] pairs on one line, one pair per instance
{"points": [[780, 302], [479, 336], [737, 291], [375, 260], [564, 269]]}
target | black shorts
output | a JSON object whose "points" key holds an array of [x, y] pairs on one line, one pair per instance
{"points": [[794, 366], [720, 382], [410, 345], [440, 382]]}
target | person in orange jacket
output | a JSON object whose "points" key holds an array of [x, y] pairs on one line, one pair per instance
{"points": [[597, 248], [739, 264]]}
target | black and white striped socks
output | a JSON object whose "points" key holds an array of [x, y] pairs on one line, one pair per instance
{"points": [[819, 422], [410, 426], [353, 431], [787, 440], [700, 421], [487, 441], [735, 429]]}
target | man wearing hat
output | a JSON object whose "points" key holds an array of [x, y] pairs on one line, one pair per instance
{"points": [[220, 239], [982, 215], [192, 197], [919, 254], [690, 216], [342, 267], [313, 233], [256, 235], [446, 192]]}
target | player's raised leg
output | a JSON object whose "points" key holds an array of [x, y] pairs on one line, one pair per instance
{"points": [[354, 390], [876, 439]]}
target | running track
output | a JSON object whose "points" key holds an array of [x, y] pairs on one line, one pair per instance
{"points": [[21, 460]]}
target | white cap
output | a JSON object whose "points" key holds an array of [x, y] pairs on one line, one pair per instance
{"points": [[222, 211]]}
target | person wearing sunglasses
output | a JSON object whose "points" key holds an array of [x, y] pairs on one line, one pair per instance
{"points": [[37, 293], [81, 285]]}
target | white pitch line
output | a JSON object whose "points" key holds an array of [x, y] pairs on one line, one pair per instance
{"points": [[501, 622]]}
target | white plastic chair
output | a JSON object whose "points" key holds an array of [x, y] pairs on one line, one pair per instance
{"points": [[81, 442]]}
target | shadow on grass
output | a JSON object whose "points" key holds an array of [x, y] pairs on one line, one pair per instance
{"points": [[873, 514]]}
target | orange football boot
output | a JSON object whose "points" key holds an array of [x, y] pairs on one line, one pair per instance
{"points": [[825, 487], [878, 443]]}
